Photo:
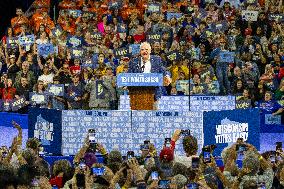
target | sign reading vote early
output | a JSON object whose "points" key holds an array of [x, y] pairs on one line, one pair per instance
{"points": [[140, 79]]}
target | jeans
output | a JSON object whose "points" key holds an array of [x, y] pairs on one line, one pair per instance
{"points": [[222, 76]]}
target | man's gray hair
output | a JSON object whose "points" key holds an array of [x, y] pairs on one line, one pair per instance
{"points": [[146, 44]]}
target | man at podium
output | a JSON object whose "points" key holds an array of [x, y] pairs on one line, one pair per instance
{"points": [[146, 63]]}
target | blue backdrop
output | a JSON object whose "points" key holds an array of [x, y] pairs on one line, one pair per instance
{"points": [[224, 128]]}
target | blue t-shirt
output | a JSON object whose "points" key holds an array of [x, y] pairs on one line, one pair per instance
{"points": [[269, 107]]}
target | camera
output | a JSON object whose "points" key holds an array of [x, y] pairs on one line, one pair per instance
{"points": [[279, 146], [206, 153], [92, 136], [185, 132], [168, 142], [130, 154], [99, 171], [164, 184], [155, 175], [195, 163]]}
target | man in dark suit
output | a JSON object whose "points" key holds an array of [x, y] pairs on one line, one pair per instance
{"points": [[147, 63]]}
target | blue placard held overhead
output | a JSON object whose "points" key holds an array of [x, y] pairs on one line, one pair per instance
{"points": [[26, 40], [56, 89], [139, 79]]}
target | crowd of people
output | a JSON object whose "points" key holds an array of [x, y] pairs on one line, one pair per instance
{"points": [[92, 41], [242, 166]]}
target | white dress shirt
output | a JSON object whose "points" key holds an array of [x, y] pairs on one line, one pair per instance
{"points": [[147, 66]]}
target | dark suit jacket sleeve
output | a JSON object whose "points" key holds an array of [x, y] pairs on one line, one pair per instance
{"points": [[132, 65]]}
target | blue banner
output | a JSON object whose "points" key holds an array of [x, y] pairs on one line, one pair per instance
{"points": [[113, 129], [45, 124], [212, 103], [223, 128], [26, 40], [7, 130], [139, 79]]}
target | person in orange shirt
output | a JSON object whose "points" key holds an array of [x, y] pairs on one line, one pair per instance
{"points": [[42, 18], [67, 4], [18, 21], [43, 5]]}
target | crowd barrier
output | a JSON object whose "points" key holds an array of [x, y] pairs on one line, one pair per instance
{"points": [[216, 122]]}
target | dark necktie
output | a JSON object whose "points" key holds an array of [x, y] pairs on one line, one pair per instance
{"points": [[143, 66]]}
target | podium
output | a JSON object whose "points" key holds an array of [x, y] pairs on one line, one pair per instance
{"points": [[142, 87]]}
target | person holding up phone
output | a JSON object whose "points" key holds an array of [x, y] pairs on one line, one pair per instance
{"points": [[252, 161]]}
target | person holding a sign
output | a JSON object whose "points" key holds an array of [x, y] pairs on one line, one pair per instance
{"points": [[75, 93], [270, 106]]}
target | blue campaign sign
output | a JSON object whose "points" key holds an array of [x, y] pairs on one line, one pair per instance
{"points": [[97, 36], [56, 89], [74, 13], [226, 56], [174, 103], [121, 52], [212, 103], [165, 103], [276, 17], [46, 49], [153, 37], [12, 42], [45, 124], [139, 79], [37, 98], [223, 128], [113, 129], [158, 125], [134, 49], [73, 41], [77, 52], [7, 129], [26, 40], [17, 104], [176, 15], [57, 31]]}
